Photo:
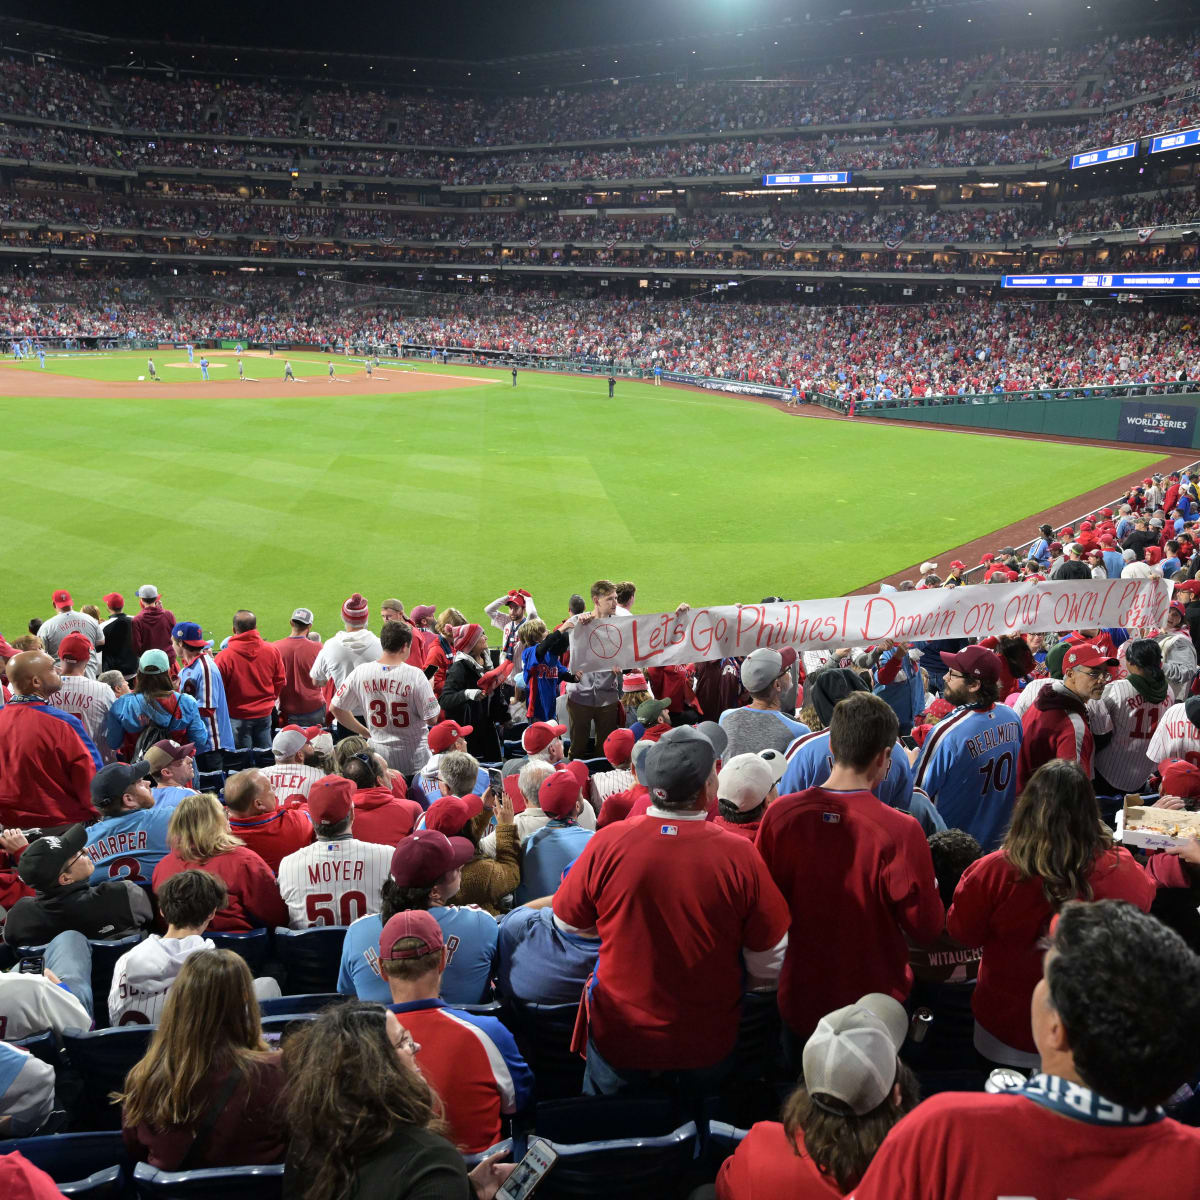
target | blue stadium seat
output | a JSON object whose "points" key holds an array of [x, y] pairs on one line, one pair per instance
{"points": [[108, 1182], [211, 781], [544, 1033], [634, 1168], [596, 765], [237, 760], [263, 758], [216, 1183], [291, 1005], [504, 1147], [513, 748], [253, 946], [103, 1059], [40, 1045], [281, 1023], [720, 1141], [490, 1008], [72, 1156], [310, 957], [104, 960]]}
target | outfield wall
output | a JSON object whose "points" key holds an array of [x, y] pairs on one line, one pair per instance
{"points": [[1172, 421]]}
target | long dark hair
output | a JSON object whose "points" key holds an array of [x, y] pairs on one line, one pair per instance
{"points": [[347, 1091]]}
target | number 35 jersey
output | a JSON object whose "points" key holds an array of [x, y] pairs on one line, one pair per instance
{"points": [[968, 768], [398, 705]]}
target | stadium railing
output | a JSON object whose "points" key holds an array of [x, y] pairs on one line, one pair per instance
{"points": [[1084, 392]]}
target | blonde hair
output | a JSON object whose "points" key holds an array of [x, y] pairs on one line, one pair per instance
{"points": [[532, 632], [631, 700], [449, 616], [199, 829]]}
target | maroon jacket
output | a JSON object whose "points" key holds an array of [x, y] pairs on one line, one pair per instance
{"points": [[298, 695], [152, 630], [1055, 725], [252, 672]]}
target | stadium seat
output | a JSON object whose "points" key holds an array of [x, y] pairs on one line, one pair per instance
{"points": [[263, 758], [634, 1168], [720, 1141], [596, 765], [504, 1147], [104, 960], [513, 748], [211, 781], [217, 1183], [605, 1118], [103, 1059], [544, 1033], [237, 760], [291, 1005], [110, 1181], [489, 1008], [72, 1156], [40, 1045], [252, 946], [311, 958]]}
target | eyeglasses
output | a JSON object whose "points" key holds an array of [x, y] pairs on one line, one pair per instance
{"points": [[952, 674], [1093, 672]]}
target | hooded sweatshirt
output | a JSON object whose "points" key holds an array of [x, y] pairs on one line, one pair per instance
{"points": [[252, 672], [341, 654], [1054, 726], [381, 817], [143, 976]]}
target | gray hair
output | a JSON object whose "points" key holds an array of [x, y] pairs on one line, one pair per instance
{"points": [[531, 778], [458, 770]]}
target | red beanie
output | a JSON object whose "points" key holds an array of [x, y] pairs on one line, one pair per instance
{"points": [[356, 610]]}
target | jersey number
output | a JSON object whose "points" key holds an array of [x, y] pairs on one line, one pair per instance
{"points": [[997, 773], [381, 718], [1145, 724], [126, 868], [320, 908]]}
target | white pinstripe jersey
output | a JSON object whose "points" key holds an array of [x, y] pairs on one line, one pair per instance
{"points": [[1123, 761], [333, 882], [397, 704], [292, 779], [1175, 737], [87, 699]]}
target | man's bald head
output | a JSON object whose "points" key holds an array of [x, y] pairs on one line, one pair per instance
{"points": [[32, 673]]}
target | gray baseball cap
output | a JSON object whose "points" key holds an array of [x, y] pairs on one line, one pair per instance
{"points": [[676, 768], [851, 1056], [763, 666], [147, 592]]}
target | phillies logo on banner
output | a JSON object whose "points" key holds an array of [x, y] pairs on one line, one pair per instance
{"points": [[534, 242], [1063, 238], [1144, 235], [464, 242], [979, 611]]}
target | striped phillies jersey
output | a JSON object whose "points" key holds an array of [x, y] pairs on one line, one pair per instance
{"points": [[292, 779], [1123, 762], [201, 680], [1175, 737], [398, 705], [333, 882], [968, 768], [809, 762], [87, 699]]}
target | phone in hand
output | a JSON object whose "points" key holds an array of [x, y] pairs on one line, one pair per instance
{"points": [[35, 964], [531, 1170], [496, 781], [907, 742]]}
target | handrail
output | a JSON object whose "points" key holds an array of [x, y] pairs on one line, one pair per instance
{"points": [[1088, 391]]}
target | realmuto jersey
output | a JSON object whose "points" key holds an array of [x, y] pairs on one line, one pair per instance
{"points": [[1123, 761], [292, 779], [87, 699], [397, 704], [1175, 737], [333, 882]]}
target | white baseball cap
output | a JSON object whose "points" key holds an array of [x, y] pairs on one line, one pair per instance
{"points": [[744, 781], [292, 738], [776, 760], [851, 1056], [147, 592]]}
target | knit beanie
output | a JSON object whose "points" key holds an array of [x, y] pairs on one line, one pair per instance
{"points": [[356, 610]]}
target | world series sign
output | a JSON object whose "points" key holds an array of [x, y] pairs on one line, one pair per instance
{"points": [[1157, 424]]}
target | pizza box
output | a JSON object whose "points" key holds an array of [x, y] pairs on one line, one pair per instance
{"points": [[1151, 828]]}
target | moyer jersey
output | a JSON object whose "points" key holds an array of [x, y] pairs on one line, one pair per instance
{"points": [[87, 699], [968, 767], [130, 846], [333, 883], [1175, 737], [398, 705], [809, 762], [1123, 761], [292, 779]]}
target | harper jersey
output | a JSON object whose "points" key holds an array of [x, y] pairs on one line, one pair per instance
{"points": [[968, 769], [398, 705], [292, 779], [470, 935], [87, 699], [333, 882], [130, 846], [809, 763], [1122, 760], [1175, 737]]}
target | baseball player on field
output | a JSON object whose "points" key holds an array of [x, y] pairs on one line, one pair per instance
{"points": [[968, 764], [191, 351], [203, 367], [1136, 706], [331, 370], [337, 878], [150, 371], [287, 371], [241, 369], [397, 700]]}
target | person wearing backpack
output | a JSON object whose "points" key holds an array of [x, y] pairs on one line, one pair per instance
{"points": [[153, 711]]}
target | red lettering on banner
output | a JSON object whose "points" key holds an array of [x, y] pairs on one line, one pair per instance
{"points": [[655, 644], [886, 619], [749, 618], [700, 632]]}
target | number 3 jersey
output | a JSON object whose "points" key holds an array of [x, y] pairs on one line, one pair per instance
{"points": [[398, 706], [968, 768], [131, 845], [333, 882]]}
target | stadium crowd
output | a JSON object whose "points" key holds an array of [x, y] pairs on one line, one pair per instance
{"points": [[483, 838]]}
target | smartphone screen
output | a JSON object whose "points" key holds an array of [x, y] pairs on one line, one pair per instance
{"points": [[529, 1173], [35, 964], [496, 781]]}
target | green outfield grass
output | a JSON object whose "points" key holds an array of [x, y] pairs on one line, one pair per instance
{"points": [[451, 497]]}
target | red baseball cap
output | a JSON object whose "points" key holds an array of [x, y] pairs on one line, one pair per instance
{"points": [[618, 746], [559, 794], [539, 735], [416, 925], [957, 566], [579, 769], [448, 814], [76, 647], [975, 662], [1086, 655], [114, 600], [331, 799], [1179, 778], [987, 558], [445, 733], [61, 598], [1106, 512], [517, 597], [422, 858]]}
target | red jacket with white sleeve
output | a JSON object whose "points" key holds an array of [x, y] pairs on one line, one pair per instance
{"points": [[1055, 726]]}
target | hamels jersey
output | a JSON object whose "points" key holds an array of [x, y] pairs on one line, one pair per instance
{"points": [[333, 882], [398, 706], [809, 762], [1175, 737], [292, 779], [968, 768], [1122, 761]]}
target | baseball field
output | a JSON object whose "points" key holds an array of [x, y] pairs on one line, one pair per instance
{"points": [[448, 486]]}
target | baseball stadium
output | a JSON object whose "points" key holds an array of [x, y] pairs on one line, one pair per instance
{"points": [[341, 376]]}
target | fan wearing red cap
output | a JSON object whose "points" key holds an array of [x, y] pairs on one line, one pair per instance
{"points": [[967, 765], [508, 613], [446, 737], [470, 1061], [1056, 724], [546, 853], [84, 698], [67, 620], [337, 878], [464, 698], [618, 749]]}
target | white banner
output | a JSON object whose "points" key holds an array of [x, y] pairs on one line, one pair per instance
{"points": [[983, 610]]}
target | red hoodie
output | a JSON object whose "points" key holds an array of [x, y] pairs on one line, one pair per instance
{"points": [[252, 672], [1055, 725], [382, 818]]}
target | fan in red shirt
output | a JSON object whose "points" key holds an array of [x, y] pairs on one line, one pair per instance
{"points": [[672, 890], [745, 786], [1114, 1019], [379, 815], [256, 817], [857, 875], [1056, 850], [253, 675], [200, 839], [301, 702]]}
